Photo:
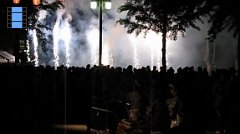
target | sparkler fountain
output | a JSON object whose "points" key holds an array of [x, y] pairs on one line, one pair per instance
{"points": [[74, 34], [35, 43]]}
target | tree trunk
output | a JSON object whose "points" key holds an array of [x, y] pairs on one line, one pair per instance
{"points": [[164, 40], [164, 63]]}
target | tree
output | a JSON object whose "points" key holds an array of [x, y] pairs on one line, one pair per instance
{"points": [[225, 15], [34, 22], [168, 17]]}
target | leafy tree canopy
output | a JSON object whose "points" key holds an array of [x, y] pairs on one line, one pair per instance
{"points": [[224, 15], [44, 5], [159, 16], [37, 25]]}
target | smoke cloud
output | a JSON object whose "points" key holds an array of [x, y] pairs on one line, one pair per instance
{"points": [[74, 41]]}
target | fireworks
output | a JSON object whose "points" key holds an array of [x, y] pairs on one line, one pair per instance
{"points": [[73, 40]]}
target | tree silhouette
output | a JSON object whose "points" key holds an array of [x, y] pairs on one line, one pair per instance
{"points": [[168, 17], [34, 22], [225, 15]]}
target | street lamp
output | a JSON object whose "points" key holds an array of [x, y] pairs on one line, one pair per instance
{"points": [[36, 2], [16, 1], [106, 4]]}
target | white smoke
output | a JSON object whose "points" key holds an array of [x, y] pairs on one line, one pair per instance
{"points": [[33, 34], [75, 41]]}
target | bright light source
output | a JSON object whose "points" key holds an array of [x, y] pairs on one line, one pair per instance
{"points": [[108, 5], [36, 2], [16, 1], [93, 4]]}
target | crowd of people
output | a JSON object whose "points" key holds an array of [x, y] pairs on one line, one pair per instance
{"points": [[152, 100]]}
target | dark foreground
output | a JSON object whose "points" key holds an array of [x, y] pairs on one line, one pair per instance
{"points": [[36, 99]]}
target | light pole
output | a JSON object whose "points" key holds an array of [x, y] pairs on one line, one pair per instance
{"points": [[100, 4]]}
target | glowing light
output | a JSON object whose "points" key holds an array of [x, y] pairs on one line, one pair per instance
{"points": [[152, 57], [151, 41], [110, 58], [92, 35], [55, 42], [132, 38], [35, 43], [108, 5], [42, 15], [139, 52], [93, 4], [154, 41], [158, 59], [16, 1], [62, 32], [110, 55], [36, 2], [61, 36], [107, 56], [135, 57], [28, 51], [65, 34]]}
